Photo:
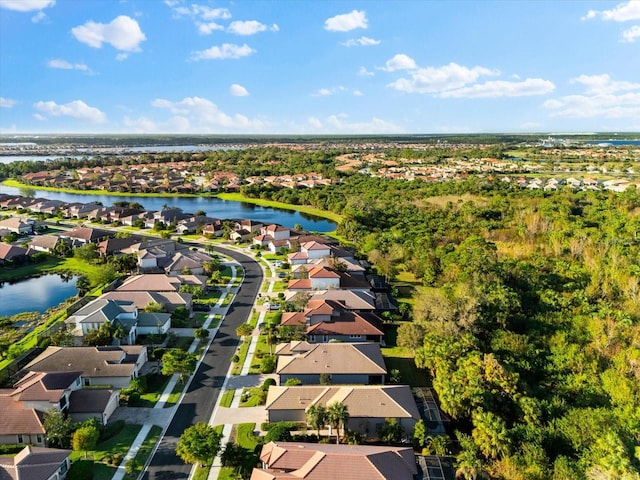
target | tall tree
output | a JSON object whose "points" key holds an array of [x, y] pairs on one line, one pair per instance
{"points": [[199, 443], [85, 438], [338, 415], [180, 362], [316, 416], [58, 428]]}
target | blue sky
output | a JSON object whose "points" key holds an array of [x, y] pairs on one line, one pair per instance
{"points": [[318, 67]]}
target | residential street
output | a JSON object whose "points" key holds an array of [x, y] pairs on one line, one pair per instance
{"points": [[199, 400]]}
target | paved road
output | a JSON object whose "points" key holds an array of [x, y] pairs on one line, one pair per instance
{"points": [[197, 404]]}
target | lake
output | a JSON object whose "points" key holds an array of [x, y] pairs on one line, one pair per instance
{"points": [[35, 294], [214, 207]]}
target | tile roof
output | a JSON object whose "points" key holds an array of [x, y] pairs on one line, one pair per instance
{"points": [[335, 358], [33, 463], [150, 283], [92, 361], [14, 419], [291, 460], [362, 401], [42, 386], [90, 400]]}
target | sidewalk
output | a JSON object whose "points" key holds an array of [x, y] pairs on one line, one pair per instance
{"points": [[164, 415]]}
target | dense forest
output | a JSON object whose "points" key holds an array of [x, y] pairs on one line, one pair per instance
{"points": [[528, 315], [525, 304]]}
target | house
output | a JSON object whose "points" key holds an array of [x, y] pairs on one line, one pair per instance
{"points": [[356, 300], [98, 403], [187, 260], [100, 311], [327, 320], [17, 423], [324, 461], [368, 405], [43, 391], [44, 243], [150, 283], [19, 225], [36, 463], [276, 232], [86, 234], [140, 299], [12, 254], [113, 366], [358, 363]]}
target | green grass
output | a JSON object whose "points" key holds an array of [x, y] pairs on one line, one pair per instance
{"points": [[262, 349], [145, 449], [279, 286], [227, 398], [401, 358], [202, 473], [254, 397], [242, 354], [118, 445], [149, 399], [174, 396], [245, 437], [238, 197], [199, 318]]}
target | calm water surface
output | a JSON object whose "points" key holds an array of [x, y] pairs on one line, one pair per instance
{"points": [[35, 294], [214, 207]]}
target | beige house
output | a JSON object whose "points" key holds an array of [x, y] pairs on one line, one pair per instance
{"points": [[317, 461], [368, 405], [113, 366], [344, 363]]}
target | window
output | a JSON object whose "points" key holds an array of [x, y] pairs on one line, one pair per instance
{"points": [[20, 439], [38, 438], [355, 336], [87, 382]]}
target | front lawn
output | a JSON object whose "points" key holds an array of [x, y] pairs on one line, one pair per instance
{"points": [[145, 449], [242, 355]]}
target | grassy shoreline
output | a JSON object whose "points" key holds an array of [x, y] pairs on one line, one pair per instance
{"points": [[232, 197]]}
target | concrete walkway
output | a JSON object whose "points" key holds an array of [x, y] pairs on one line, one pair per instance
{"points": [[158, 415]]}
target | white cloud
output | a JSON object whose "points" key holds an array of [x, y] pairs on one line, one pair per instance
{"points": [[339, 124], [76, 109], [437, 80], [361, 42], [123, 33], [199, 11], [358, 93], [631, 35], [622, 12], [7, 102], [326, 92], [122, 56], [40, 118], [65, 65], [399, 61], [226, 50], [39, 17], [250, 27], [602, 98], [501, 88], [346, 22], [204, 116], [604, 84], [363, 72], [175, 124], [238, 90], [26, 5], [209, 27]]}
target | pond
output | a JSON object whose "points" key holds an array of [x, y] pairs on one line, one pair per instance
{"points": [[36, 294], [214, 207]]}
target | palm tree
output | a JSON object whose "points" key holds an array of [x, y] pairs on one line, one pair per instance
{"points": [[338, 414], [316, 416]]}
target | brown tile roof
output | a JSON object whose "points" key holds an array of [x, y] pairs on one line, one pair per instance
{"points": [[290, 460], [362, 401], [349, 323], [14, 419], [322, 272], [92, 361], [41, 386], [335, 358], [150, 283], [300, 284]]}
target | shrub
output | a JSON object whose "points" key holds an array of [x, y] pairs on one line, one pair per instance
{"points": [[268, 364], [235, 359], [131, 467], [292, 382], [268, 383]]}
